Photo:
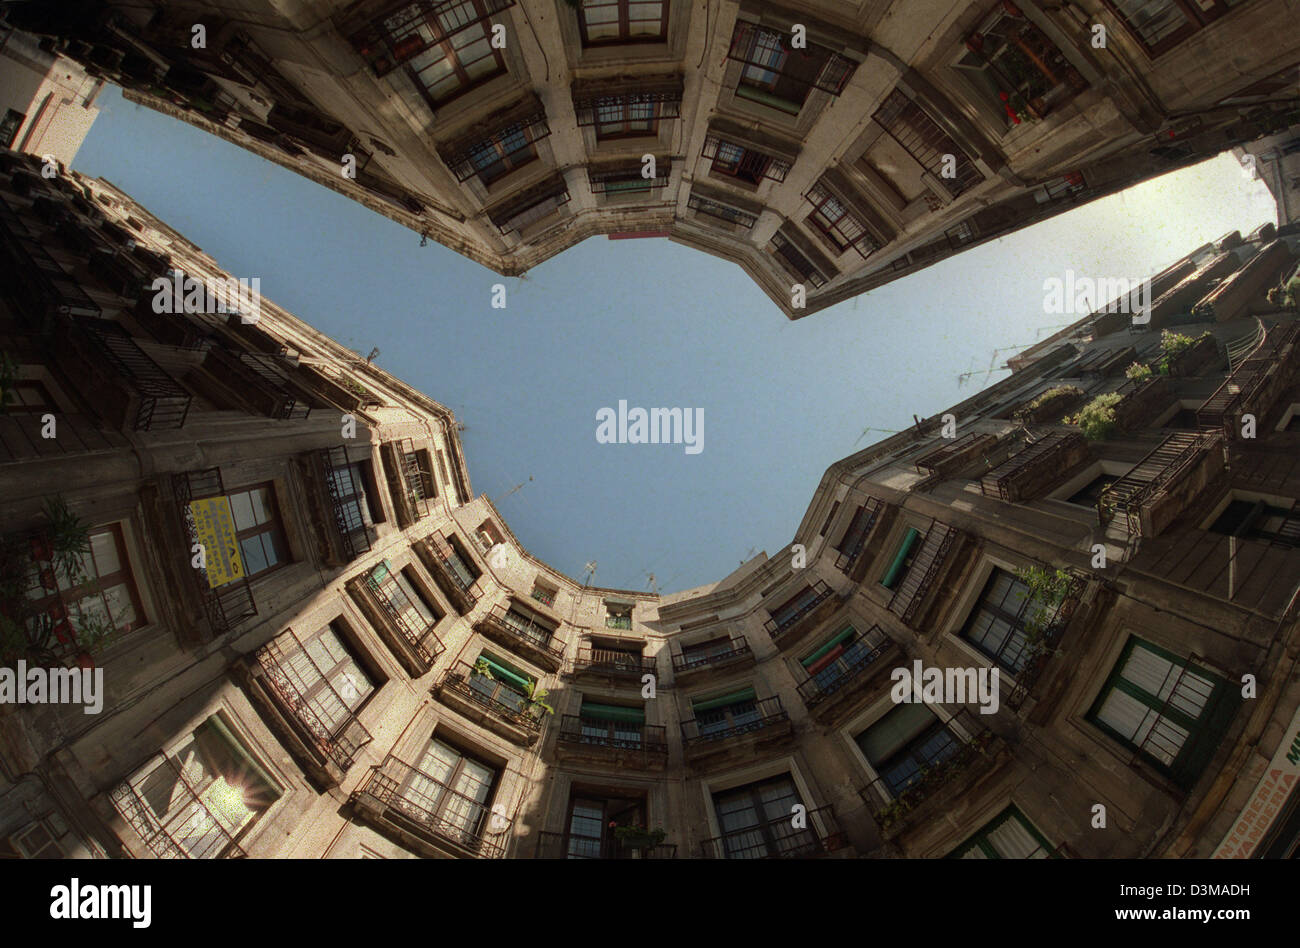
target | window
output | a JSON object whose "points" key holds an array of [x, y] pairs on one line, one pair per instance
{"points": [[262, 543], [1168, 709], [612, 725], [922, 138], [418, 472], [626, 117], [841, 655], [1000, 625], [725, 715], [450, 790], [544, 593], [701, 653], [628, 178], [528, 626], [855, 536], [512, 145], [349, 486], [606, 22], [457, 561], [1017, 69], [795, 608], [442, 466], [592, 820], [1007, 836], [841, 227], [774, 75], [9, 127], [1260, 520], [328, 677], [618, 615], [446, 47], [196, 800], [724, 212], [796, 262], [1162, 24], [105, 592], [755, 821], [501, 682], [909, 740], [37, 840], [742, 162], [1090, 494]]}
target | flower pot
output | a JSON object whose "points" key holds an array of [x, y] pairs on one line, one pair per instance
{"points": [[85, 660]]}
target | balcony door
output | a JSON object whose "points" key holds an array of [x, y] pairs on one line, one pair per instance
{"points": [[757, 822], [592, 821], [452, 791]]}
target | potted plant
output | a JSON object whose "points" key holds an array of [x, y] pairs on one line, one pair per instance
{"points": [[537, 706], [92, 631], [635, 837], [69, 536]]}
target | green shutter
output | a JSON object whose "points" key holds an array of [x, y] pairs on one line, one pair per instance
{"points": [[894, 730], [735, 697], [830, 644], [612, 712], [896, 567], [504, 673], [381, 571]]}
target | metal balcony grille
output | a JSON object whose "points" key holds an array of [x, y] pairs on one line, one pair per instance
{"points": [[922, 138], [511, 138], [843, 227], [422, 26], [787, 616], [415, 479], [450, 570], [188, 818], [683, 662], [722, 212], [566, 846], [163, 404], [1040, 460], [780, 838], [497, 697], [436, 810], [230, 604], [616, 735], [742, 161], [796, 263], [345, 503], [934, 459], [911, 592], [531, 208], [1144, 479], [339, 741], [612, 661], [268, 368], [423, 641], [1041, 651], [642, 99], [628, 178], [510, 625], [769, 52], [854, 540], [733, 720], [847, 669], [42, 284]]}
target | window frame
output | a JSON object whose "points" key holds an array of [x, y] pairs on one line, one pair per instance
{"points": [[273, 526], [625, 36]]}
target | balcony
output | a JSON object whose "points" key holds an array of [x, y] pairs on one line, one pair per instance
{"points": [[736, 732], [325, 749], [257, 382], [417, 647], [1043, 648], [521, 212], [117, 378], [930, 790], [619, 744], [1031, 472], [522, 634], [407, 484], [1256, 383], [490, 703], [855, 536], [834, 690], [780, 839], [1160, 487], [737, 655], [336, 507], [953, 454], [910, 595], [565, 846], [188, 819], [228, 605], [449, 570], [788, 625], [427, 816], [612, 663]]}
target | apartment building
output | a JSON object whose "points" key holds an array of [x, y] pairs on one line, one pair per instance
{"points": [[368, 663], [825, 147], [47, 101]]}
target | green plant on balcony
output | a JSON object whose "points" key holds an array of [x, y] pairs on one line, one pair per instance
{"points": [[634, 836], [1287, 294], [1138, 372], [355, 387], [1060, 393], [1045, 591], [1097, 418], [483, 669], [537, 705], [69, 536]]}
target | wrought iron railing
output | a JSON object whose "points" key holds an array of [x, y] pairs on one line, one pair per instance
{"points": [[855, 537], [847, 669], [911, 592], [612, 661], [1139, 485], [423, 641], [507, 625], [228, 605], [188, 817], [683, 662], [439, 811], [778, 626], [730, 721], [616, 735], [162, 402], [804, 834], [339, 741], [450, 570], [345, 502], [503, 701], [568, 846], [1039, 651]]}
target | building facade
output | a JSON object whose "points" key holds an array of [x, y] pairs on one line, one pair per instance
{"points": [[47, 101], [378, 668], [825, 147]]}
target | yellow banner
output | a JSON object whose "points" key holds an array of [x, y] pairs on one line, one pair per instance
{"points": [[214, 526]]}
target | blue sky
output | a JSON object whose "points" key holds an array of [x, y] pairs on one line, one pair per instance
{"points": [[651, 322]]}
